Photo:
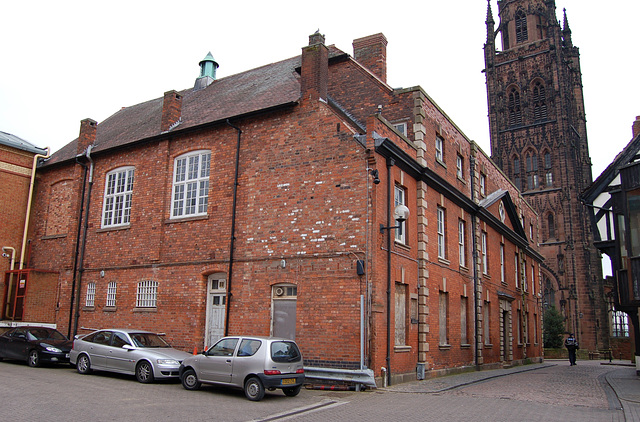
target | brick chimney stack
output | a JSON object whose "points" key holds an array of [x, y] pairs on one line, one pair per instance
{"points": [[315, 68], [371, 52], [171, 110], [636, 127], [88, 129]]}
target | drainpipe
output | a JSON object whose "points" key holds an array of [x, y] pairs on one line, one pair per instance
{"points": [[84, 241], [77, 251], [390, 163], [233, 227], [474, 255], [28, 213]]}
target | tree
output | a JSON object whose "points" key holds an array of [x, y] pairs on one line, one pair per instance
{"points": [[553, 328]]}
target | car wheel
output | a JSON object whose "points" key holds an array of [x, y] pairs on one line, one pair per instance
{"points": [[83, 364], [144, 372], [33, 359], [190, 380], [253, 389], [292, 392]]}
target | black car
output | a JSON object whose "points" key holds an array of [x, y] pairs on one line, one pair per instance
{"points": [[35, 345]]}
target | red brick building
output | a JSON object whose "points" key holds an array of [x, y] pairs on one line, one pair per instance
{"points": [[264, 202], [18, 160], [539, 139]]}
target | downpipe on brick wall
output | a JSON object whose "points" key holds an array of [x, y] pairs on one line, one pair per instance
{"points": [[85, 226], [233, 228], [77, 248]]}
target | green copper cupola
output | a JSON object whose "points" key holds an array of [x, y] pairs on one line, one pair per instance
{"points": [[208, 67]]}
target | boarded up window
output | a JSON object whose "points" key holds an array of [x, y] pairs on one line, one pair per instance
{"points": [[401, 315]]}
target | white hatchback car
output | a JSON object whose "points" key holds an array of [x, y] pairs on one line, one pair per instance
{"points": [[254, 364], [141, 353]]}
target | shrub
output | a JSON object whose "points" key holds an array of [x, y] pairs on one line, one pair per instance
{"points": [[553, 328]]}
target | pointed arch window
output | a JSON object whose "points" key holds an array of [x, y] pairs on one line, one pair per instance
{"points": [[551, 226], [532, 170], [521, 27], [548, 172], [515, 111], [516, 172], [539, 102]]}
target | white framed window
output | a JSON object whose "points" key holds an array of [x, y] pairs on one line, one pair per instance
{"points": [[400, 199], [502, 263], [461, 251], [111, 294], [116, 208], [146, 294], [485, 264], [549, 179], [439, 149], [483, 184], [459, 166], [401, 127], [619, 324], [441, 234], [191, 184], [90, 300], [524, 275]]}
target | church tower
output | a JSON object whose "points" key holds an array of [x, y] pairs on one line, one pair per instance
{"points": [[539, 139]]}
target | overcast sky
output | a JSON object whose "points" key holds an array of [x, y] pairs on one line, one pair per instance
{"points": [[63, 61]]}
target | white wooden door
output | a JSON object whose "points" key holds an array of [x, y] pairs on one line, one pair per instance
{"points": [[216, 309]]}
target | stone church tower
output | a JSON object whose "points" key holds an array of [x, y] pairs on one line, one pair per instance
{"points": [[539, 139]]}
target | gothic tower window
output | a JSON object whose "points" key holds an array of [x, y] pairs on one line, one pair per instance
{"points": [[515, 112], [551, 226], [516, 172], [548, 173], [521, 26], [539, 102], [532, 170]]}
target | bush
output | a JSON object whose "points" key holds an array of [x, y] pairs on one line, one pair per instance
{"points": [[553, 328]]}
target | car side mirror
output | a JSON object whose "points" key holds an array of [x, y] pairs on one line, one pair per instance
{"points": [[128, 347]]}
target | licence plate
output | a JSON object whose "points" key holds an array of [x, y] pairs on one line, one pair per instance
{"points": [[288, 381], [67, 356]]}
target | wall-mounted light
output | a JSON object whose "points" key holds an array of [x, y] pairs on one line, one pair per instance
{"points": [[374, 174], [401, 214]]}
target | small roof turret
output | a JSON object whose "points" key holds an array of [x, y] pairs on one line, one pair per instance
{"points": [[208, 67]]}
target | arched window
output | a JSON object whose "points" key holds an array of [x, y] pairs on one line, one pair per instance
{"points": [[515, 112], [521, 26], [539, 102], [551, 226]]}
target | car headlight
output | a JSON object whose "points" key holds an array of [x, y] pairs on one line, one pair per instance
{"points": [[53, 349], [168, 362]]}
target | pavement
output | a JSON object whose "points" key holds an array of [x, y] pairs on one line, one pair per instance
{"points": [[624, 383]]}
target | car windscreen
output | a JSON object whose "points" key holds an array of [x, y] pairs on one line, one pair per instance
{"points": [[285, 351], [44, 334], [148, 340]]}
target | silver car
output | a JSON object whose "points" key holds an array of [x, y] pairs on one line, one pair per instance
{"points": [[141, 353], [254, 364]]}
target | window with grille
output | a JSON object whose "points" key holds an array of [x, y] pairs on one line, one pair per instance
{"points": [[191, 184], [515, 112], [91, 295], [539, 102], [111, 294], [619, 324], [116, 209], [146, 294], [521, 27], [551, 227]]}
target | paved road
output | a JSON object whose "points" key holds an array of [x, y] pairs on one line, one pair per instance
{"points": [[547, 392]]}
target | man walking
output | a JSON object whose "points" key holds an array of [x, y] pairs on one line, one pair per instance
{"points": [[572, 345]]}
